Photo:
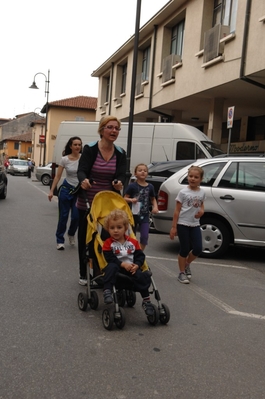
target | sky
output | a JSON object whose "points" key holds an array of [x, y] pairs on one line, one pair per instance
{"points": [[71, 39]]}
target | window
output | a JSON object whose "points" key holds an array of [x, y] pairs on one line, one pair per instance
{"points": [[244, 176], [225, 13], [123, 78], [16, 146], [146, 64], [211, 172], [177, 38], [188, 150]]}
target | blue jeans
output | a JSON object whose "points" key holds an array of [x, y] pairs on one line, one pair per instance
{"points": [[66, 203], [189, 238]]}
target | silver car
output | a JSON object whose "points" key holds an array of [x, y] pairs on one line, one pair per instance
{"points": [[18, 167], [234, 206], [44, 174]]}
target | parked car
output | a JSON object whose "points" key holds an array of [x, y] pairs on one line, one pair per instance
{"points": [[3, 182], [44, 174], [158, 172], [18, 167], [10, 161], [234, 206]]}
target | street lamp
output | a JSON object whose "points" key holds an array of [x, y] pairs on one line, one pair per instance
{"points": [[132, 98], [34, 86]]}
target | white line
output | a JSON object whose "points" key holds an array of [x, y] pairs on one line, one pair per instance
{"points": [[54, 198], [199, 263], [222, 305], [209, 297]]}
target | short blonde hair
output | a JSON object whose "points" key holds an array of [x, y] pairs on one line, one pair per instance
{"points": [[198, 168], [116, 214], [140, 164], [105, 120]]}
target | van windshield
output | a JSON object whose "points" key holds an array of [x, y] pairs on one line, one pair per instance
{"points": [[212, 148]]}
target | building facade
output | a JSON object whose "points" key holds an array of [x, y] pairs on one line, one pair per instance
{"points": [[195, 60]]}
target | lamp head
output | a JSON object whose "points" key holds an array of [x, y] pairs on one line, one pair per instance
{"points": [[33, 86]]}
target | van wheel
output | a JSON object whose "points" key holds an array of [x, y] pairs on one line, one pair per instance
{"points": [[45, 179], [215, 238]]}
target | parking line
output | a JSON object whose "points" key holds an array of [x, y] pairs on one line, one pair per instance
{"points": [[222, 305], [206, 295], [200, 263]]}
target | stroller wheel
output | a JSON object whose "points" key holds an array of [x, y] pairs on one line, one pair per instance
{"points": [[121, 296], [82, 301], [93, 302], [108, 318], [153, 320], [164, 314], [130, 298], [120, 321]]}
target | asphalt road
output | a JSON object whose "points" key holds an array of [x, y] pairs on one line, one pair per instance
{"points": [[212, 347]]}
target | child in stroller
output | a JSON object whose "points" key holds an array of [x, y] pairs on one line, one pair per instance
{"points": [[124, 255], [121, 282]]}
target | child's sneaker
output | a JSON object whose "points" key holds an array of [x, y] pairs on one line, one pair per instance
{"points": [[82, 281], [148, 308], [107, 297], [182, 278], [71, 240], [187, 271]]}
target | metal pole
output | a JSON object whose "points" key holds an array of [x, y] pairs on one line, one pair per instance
{"points": [[229, 142], [132, 98], [47, 85]]}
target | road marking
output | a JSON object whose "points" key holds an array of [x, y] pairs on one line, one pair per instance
{"points": [[54, 198], [206, 295], [199, 263], [222, 305]]}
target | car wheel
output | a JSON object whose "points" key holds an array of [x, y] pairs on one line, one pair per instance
{"points": [[215, 238], [45, 179], [151, 222]]}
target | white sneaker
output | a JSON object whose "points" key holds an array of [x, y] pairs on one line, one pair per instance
{"points": [[71, 240], [82, 281], [60, 247]]}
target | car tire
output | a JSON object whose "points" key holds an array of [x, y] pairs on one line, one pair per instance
{"points": [[45, 179], [215, 238], [151, 223]]}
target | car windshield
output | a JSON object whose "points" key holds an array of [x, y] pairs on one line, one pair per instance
{"points": [[212, 148], [21, 163]]}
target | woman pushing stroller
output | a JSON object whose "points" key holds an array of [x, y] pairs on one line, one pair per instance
{"points": [[104, 164]]}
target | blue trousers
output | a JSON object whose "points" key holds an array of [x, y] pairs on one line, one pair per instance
{"points": [[66, 204], [189, 238]]}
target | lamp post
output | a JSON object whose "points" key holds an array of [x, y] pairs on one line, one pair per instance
{"points": [[34, 86], [132, 98]]}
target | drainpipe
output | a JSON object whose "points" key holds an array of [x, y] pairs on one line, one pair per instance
{"points": [[244, 49], [110, 89]]}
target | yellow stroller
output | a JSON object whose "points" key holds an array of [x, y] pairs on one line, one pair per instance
{"points": [[123, 291]]}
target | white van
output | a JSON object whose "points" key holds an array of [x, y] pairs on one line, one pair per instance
{"points": [[150, 141]]}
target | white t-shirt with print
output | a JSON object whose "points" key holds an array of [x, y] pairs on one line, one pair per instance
{"points": [[191, 202]]}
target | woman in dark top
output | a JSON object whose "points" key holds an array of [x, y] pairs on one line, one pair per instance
{"points": [[102, 166]]}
